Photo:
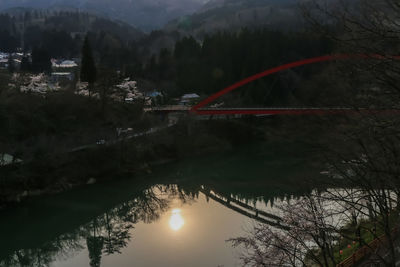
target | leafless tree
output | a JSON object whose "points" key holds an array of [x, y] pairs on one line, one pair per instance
{"points": [[365, 171], [308, 236]]}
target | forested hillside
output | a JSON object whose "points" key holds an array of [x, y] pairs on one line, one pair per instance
{"points": [[170, 63], [224, 58], [144, 14], [60, 32], [234, 14]]}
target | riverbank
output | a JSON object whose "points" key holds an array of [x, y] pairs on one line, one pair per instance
{"points": [[57, 221], [55, 173], [262, 170], [60, 172], [249, 172]]}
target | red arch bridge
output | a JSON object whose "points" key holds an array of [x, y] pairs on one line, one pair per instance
{"points": [[200, 108]]}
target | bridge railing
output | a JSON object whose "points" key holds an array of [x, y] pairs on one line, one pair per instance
{"points": [[366, 250]]}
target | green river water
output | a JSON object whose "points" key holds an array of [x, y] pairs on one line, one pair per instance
{"points": [[179, 215]]}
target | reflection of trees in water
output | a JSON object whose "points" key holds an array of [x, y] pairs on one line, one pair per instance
{"points": [[107, 234], [116, 235], [44, 255], [110, 232], [186, 193], [149, 206], [271, 198], [95, 246], [266, 194]]}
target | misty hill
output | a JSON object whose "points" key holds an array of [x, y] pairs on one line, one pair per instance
{"points": [[228, 15], [144, 14], [61, 33]]}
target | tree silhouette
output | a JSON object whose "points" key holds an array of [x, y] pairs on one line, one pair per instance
{"points": [[40, 60], [95, 246], [25, 64], [108, 79], [11, 66], [88, 68]]}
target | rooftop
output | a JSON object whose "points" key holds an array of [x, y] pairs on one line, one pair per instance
{"points": [[189, 96]]}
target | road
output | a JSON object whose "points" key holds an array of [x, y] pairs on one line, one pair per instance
{"points": [[120, 139]]}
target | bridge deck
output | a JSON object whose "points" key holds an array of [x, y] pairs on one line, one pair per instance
{"points": [[270, 111], [250, 111]]}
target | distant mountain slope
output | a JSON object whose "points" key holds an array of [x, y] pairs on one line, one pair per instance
{"points": [[71, 21], [144, 14], [61, 34], [234, 14]]}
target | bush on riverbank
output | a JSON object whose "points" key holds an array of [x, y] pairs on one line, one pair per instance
{"points": [[33, 124]]}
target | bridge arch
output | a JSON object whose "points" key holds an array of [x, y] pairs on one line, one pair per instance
{"points": [[291, 65]]}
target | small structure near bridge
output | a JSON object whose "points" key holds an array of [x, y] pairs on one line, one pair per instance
{"points": [[188, 99]]}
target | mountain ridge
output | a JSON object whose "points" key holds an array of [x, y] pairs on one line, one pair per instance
{"points": [[231, 15], [144, 14]]}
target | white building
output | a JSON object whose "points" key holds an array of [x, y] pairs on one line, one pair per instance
{"points": [[188, 98], [63, 64]]}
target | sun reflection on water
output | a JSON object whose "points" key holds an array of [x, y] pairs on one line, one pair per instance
{"points": [[176, 220]]}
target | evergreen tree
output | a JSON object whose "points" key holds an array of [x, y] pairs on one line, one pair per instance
{"points": [[88, 68], [25, 64], [95, 245], [11, 66], [41, 60]]}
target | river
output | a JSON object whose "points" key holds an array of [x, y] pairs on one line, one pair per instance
{"points": [[181, 214]]}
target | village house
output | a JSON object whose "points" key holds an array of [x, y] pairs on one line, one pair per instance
{"points": [[63, 64], [154, 94], [3, 63], [17, 58], [188, 99], [56, 77], [3, 55], [63, 70]]}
